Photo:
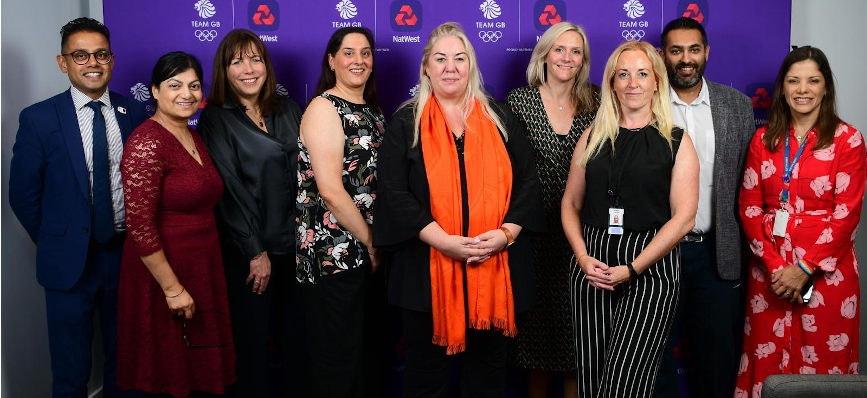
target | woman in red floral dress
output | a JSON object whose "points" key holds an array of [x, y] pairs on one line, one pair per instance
{"points": [[800, 206]]}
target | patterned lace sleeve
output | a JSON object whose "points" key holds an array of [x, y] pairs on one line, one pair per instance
{"points": [[142, 169]]}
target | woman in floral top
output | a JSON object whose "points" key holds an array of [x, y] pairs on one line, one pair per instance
{"points": [[800, 207], [340, 133]]}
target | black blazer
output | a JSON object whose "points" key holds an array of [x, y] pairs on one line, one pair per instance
{"points": [[256, 212], [402, 210]]}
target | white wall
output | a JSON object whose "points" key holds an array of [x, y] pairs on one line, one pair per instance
{"points": [[30, 42], [836, 27]]}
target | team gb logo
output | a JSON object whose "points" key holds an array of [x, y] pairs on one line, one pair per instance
{"points": [[347, 9], [634, 9], [491, 9], [205, 8]]}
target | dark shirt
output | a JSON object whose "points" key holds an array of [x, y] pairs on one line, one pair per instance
{"points": [[258, 169], [403, 209], [639, 174]]}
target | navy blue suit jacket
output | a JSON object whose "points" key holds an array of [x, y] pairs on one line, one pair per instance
{"points": [[49, 190]]}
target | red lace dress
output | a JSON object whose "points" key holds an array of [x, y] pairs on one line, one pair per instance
{"points": [[827, 190], [169, 205]]}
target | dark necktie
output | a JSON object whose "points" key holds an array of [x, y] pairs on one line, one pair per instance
{"points": [[103, 216]]}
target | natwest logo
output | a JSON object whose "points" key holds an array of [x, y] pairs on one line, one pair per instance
{"points": [[762, 95], [263, 15], [548, 13], [761, 98], [406, 16], [698, 10]]}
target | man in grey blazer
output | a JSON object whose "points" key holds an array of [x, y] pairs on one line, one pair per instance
{"points": [[720, 121]]}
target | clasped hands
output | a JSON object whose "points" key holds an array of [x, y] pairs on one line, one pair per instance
{"points": [[600, 275], [474, 250], [788, 282]]}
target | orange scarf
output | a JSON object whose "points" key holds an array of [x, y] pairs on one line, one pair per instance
{"points": [[489, 187]]}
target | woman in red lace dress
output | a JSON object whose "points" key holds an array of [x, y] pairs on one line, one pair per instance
{"points": [[174, 335], [800, 206]]}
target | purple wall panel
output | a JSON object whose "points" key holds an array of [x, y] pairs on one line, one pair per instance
{"points": [[748, 38]]}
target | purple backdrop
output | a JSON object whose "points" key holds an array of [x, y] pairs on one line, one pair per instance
{"points": [[503, 33]]}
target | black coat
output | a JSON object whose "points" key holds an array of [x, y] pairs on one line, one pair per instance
{"points": [[256, 212], [402, 210]]}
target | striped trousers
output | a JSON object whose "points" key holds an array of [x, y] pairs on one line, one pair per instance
{"points": [[620, 334]]}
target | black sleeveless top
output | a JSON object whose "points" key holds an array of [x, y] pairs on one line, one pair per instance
{"points": [[639, 176]]}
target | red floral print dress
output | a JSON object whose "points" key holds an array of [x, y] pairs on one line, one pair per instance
{"points": [[826, 194]]}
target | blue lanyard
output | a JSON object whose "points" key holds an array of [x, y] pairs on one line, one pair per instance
{"points": [[789, 167]]}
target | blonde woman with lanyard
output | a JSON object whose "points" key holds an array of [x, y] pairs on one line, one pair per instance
{"points": [[632, 194]]}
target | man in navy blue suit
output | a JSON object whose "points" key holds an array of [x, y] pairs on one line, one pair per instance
{"points": [[65, 188]]}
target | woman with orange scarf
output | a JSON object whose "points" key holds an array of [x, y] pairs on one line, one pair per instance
{"points": [[457, 189]]}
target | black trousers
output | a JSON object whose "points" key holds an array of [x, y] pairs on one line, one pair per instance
{"points": [[252, 316], [710, 319], [334, 313], [428, 368]]}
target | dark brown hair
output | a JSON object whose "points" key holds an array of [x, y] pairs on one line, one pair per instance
{"points": [[327, 78], [236, 42], [780, 114]]}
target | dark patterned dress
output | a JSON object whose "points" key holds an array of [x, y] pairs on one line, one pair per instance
{"points": [[322, 246], [545, 340]]}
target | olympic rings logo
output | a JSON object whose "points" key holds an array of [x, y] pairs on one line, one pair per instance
{"points": [[206, 35], [632, 35], [488, 36]]}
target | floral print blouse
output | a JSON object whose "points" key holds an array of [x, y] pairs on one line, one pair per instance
{"points": [[322, 246]]}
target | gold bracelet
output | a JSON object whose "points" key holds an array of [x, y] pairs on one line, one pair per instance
{"points": [[183, 289], [258, 256], [578, 260]]}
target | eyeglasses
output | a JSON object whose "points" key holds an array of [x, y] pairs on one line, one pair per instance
{"points": [[81, 57], [190, 342]]}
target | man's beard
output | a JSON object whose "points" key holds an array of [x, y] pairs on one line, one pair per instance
{"points": [[676, 81]]}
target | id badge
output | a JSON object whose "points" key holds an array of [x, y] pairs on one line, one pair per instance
{"points": [[615, 221], [780, 223]]}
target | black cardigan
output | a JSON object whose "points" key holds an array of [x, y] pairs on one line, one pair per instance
{"points": [[256, 212], [402, 210]]}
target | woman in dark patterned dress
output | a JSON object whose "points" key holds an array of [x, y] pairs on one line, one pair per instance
{"points": [[340, 133], [557, 106], [174, 333]]}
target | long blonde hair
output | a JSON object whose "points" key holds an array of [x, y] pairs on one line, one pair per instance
{"points": [[607, 123], [475, 85], [582, 90]]}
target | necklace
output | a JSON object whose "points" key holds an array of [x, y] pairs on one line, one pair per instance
{"points": [[551, 94], [800, 138], [191, 148], [253, 116]]}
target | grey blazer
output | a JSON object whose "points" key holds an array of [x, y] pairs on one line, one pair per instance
{"points": [[733, 126]]}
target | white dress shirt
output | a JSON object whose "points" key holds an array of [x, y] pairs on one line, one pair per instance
{"points": [[115, 148], [696, 119]]}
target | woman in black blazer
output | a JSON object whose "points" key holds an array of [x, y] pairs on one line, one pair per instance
{"points": [[252, 135]]}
